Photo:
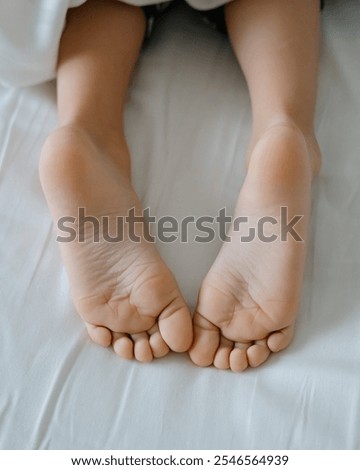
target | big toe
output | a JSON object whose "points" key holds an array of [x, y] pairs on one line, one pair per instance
{"points": [[175, 326], [206, 341]]}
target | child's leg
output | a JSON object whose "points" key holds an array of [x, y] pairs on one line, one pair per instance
{"points": [[122, 290], [249, 300]]}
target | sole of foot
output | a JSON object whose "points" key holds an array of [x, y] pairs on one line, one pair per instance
{"points": [[122, 289], [249, 300]]}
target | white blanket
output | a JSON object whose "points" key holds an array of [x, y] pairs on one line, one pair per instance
{"points": [[188, 122]]}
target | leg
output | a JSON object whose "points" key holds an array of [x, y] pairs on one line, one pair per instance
{"points": [[122, 289], [249, 299]]}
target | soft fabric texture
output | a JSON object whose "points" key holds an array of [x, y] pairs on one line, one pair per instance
{"points": [[30, 32]]}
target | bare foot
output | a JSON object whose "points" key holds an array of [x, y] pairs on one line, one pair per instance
{"points": [[122, 290], [249, 300]]}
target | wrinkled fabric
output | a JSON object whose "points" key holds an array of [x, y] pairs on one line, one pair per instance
{"points": [[30, 32]]}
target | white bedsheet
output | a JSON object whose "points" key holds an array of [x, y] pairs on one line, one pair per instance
{"points": [[188, 122]]}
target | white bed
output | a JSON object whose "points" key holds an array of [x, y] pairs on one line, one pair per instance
{"points": [[188, 122]]}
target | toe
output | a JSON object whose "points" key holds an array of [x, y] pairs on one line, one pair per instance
{"points": [[99, 334], [258, 353], [280, 339], [142, 350], [206, 341], [238, 358], [158, 346], [175, 326], [222, 355], [123, 346]]}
